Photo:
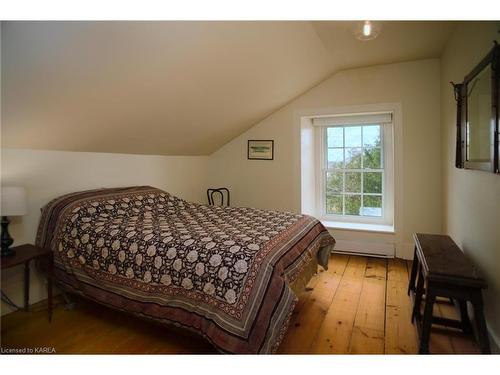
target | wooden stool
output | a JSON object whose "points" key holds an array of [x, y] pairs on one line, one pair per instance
{"points": [[440, 269]]}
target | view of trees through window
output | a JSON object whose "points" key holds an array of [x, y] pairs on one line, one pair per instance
{"points": [[354, 172]]}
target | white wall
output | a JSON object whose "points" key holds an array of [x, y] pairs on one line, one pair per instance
{"points": [[276, 184], [49, 174], [471, 199]]}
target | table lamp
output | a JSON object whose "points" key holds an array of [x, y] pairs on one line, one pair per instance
{"points": [[13, 204]]}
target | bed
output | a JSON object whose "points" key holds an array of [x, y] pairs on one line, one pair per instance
{"points": [[231, 274]]}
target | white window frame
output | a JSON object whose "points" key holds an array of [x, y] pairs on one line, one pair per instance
{"points": [[387, 137]]}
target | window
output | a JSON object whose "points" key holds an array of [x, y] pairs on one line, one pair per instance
{"points": [[354, 168]]}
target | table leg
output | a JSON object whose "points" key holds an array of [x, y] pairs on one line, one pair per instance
{"points": [[50, 276], [26, 285], [426, 323], [418, 296], [464, 317], [413, 275]]}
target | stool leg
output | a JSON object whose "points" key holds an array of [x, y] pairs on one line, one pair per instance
{"points": [[425, 334], [464, 317], [418, 296], [413, 276], [482, 332]]}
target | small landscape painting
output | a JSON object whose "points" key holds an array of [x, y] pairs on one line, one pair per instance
{"points": [[260, 149]]}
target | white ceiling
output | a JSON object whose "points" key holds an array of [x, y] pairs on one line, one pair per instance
{"points": [[175, 88], [397, 42]]}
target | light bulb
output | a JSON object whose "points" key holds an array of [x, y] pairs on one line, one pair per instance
{"points": [[367, 28]]}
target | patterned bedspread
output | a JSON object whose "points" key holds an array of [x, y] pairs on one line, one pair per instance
{"points": [[223, 272]]}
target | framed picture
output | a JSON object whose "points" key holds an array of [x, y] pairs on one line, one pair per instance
{"points": [[260, 150]]}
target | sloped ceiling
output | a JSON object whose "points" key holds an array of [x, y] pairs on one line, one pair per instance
{"points": [[175, 88]]}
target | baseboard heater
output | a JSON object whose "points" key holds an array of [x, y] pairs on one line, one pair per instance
{"points": [[366, 248]]}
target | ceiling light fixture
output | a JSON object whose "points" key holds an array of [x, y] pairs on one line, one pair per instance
{"points": [[367, 30]]}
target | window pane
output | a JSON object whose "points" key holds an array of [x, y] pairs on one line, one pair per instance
{"points": [[352, 204], [353, 182], [334, 204], [371, 136], [334, 182], [353, 136], [351, 189], [353, 158], [371, 158], [335, 137], [372, 182], [372, 205], [335, 158]]}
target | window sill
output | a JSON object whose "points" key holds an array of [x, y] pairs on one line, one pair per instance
{"points": [[362, 227]]}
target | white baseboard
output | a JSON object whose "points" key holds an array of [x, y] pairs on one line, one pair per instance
{"points": [[369, 248], [362, 254], [375, 248]]}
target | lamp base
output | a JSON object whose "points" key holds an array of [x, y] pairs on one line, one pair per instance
{"points": [[6, 239]]}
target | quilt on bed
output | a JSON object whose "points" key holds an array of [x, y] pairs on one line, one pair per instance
{"points": [[223, 272]]}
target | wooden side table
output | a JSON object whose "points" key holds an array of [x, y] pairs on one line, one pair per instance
{"points": [[24, 255]]}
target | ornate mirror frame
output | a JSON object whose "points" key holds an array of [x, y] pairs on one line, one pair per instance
{"points": [[462, 92]]}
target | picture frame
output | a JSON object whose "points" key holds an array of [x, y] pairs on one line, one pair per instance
{"points": [[260, 149]]}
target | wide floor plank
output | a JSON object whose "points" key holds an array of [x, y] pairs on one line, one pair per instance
{"points": [[400, 334], [334, 334], [299, 338], [368, 331]]}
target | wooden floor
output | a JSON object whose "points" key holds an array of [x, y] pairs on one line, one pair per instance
{"points": [[358, 306]]}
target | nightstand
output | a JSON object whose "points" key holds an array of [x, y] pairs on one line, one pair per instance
{"points": [[24, 255]]}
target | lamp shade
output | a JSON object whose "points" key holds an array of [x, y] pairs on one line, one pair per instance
{"points": [[13, 201]]}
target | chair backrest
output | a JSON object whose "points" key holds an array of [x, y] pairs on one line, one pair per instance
{"points": [[223, 192]]}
